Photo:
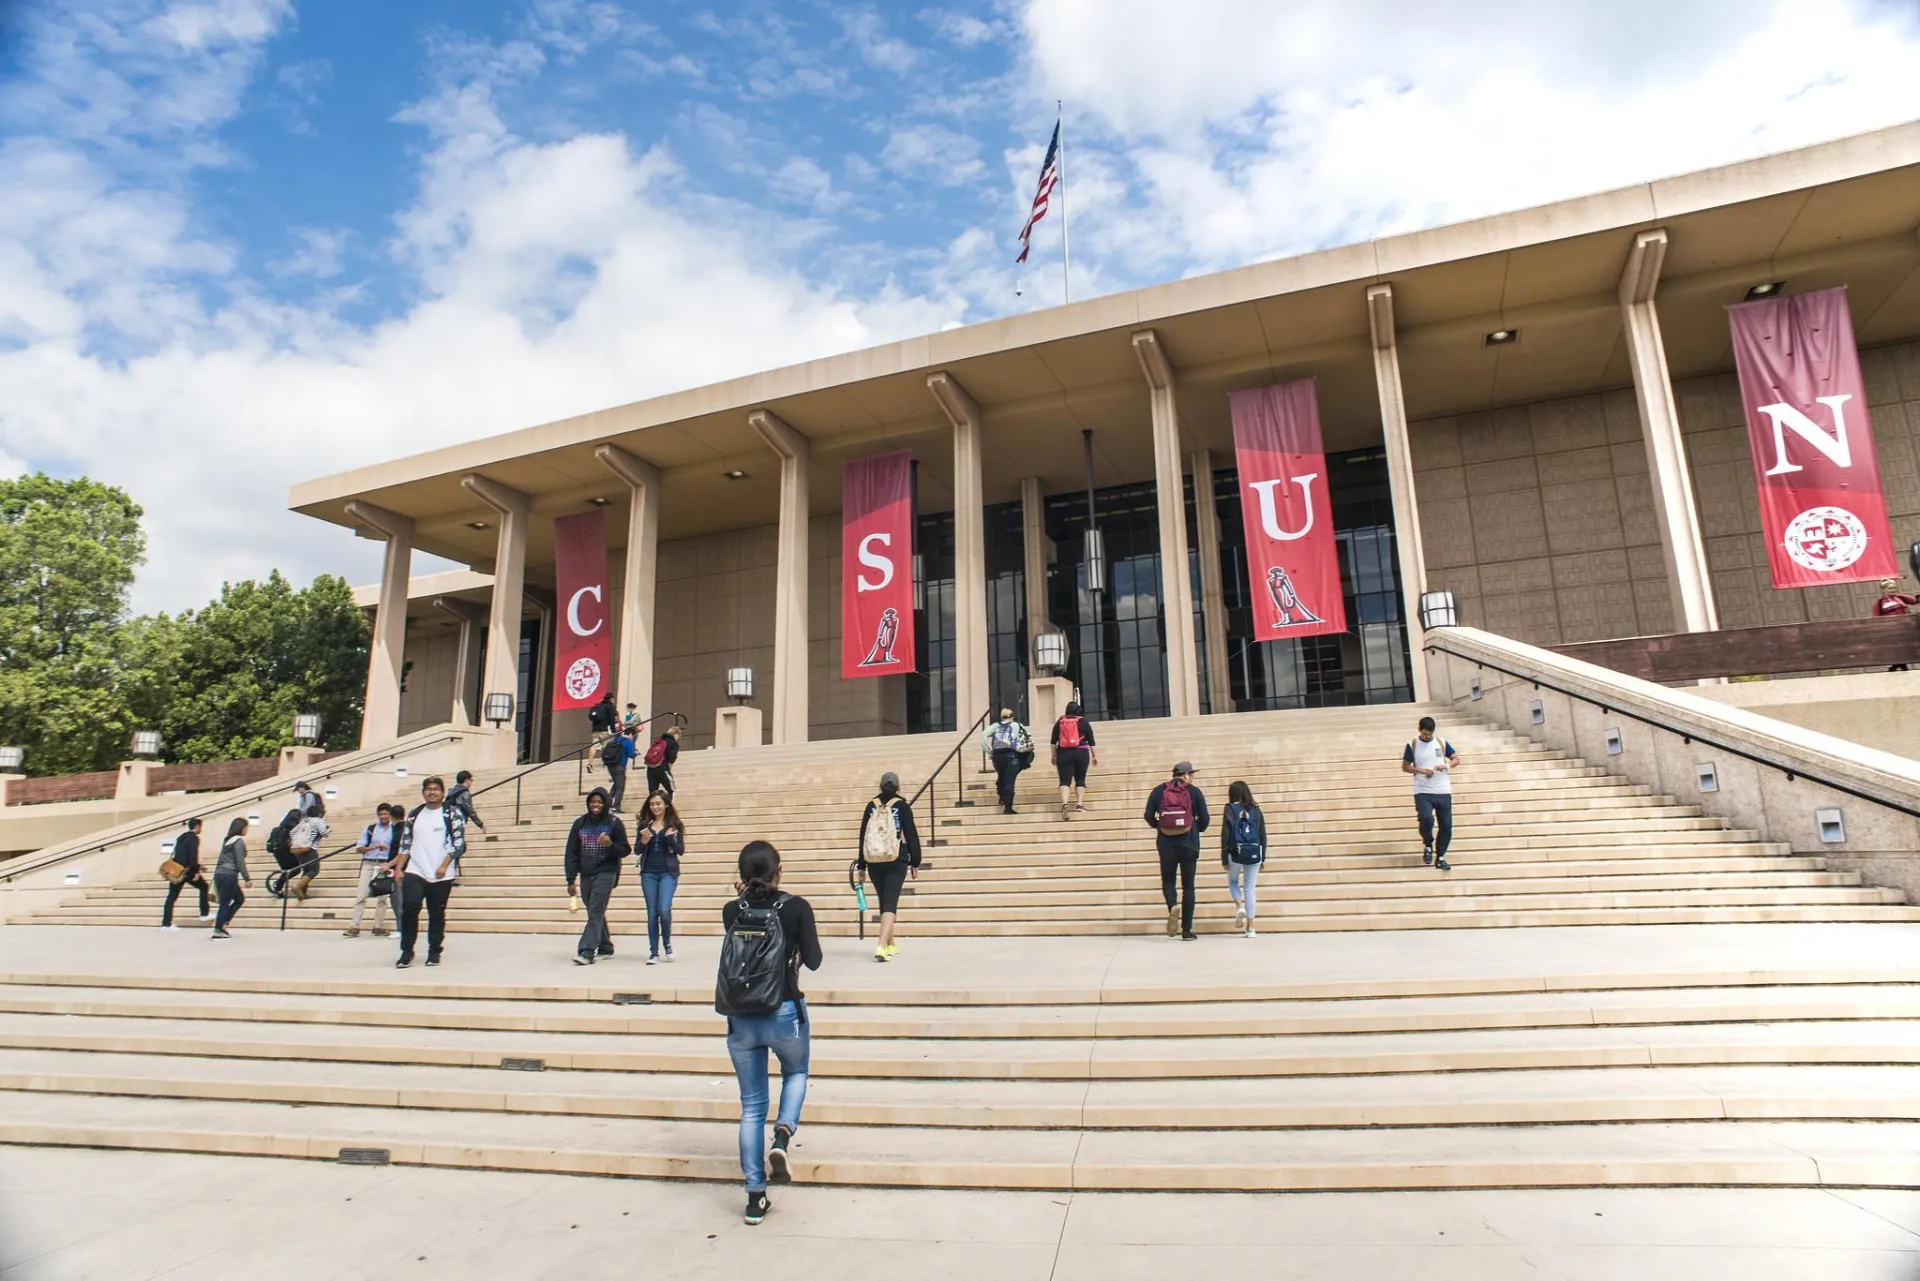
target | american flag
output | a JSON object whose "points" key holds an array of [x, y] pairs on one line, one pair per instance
{"points": [[1049, 175]]}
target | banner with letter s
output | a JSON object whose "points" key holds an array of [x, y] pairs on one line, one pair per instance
{"points": [[1821, 505], [1293, 561], [583, 628], [876, 566]]}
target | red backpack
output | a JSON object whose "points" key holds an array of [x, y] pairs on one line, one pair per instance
{"points": [[657, 754], [1176, 810], [1070, 731]]}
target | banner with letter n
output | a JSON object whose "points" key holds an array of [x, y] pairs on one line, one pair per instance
{"points": [[583, 635], [1821, 505], [1292, 560], [876, 566]]}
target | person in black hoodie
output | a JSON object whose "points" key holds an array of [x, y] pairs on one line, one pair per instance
{"points": [[186, 852], [596, 847], [1177, 812]]}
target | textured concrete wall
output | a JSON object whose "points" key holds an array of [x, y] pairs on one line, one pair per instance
{"points": [[1540, 517]]}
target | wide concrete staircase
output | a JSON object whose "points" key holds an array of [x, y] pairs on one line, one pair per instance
{"points": [[1540, 839], [1804, 1075]]}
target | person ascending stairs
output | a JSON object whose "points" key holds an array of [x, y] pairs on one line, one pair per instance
{"points": [[1177, 812], [1073, 751], [889, 854], [1432, 761]]}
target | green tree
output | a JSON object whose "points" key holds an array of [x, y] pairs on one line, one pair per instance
{"points": [[68, 551]]}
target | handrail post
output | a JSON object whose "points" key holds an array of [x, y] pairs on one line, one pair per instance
{"points": [[283, 904]]}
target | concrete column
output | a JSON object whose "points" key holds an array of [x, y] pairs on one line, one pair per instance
{"points": [[970, 684], [540, 714], [1176, 584], [1406, 510], [1686, 553], [513, 509], [466, 663], [634, 676], [1037, 550], [790, 673], [1213, 598], [380, 723]]}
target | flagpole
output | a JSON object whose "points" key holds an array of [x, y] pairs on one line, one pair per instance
{"points": [[1066, 252]]}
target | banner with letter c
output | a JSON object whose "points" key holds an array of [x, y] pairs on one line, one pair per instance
{"points": [[583, 627], [1821, 505], [1293, 561], [876, 566]]}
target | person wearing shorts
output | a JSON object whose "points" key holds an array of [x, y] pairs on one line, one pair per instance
{"points": [[889, 878], [1073, 751]]}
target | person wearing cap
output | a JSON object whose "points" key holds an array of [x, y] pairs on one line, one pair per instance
{"points": [[1011, 748], [1893, 603], [1177, 813]]}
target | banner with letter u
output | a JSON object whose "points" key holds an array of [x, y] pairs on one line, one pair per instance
{"points": [[1292, 560], [583, 631], [876, 566], [1821, 505]]}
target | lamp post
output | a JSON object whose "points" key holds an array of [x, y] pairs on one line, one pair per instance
{"points": [[498, 708], [1438, 609], [146, 742], [306, 727], [12, 759], [740, 684], [1050, 651]]}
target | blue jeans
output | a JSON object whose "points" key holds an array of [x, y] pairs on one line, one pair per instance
{"points": [[1240, 882], [749, 1037], [1431, 806], [658, 888]]}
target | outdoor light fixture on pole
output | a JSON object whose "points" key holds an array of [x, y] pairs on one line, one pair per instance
{"points": [[1096, 546], [146, 742], [306, 727], [12, 759], [740, 684], [498, 708], [1438, 609], [1050, 651]]}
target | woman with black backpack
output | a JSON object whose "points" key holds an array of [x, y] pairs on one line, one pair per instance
{"points": [[769, 936], [1243, 848]]}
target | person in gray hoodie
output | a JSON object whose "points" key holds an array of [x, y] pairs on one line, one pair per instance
{"points": [[596, 846]]}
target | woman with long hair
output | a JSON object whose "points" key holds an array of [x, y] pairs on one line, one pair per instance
{"points": [[229, 874], [1073, 751], [889, 854], [784, 1030], [1243, 848], [657, 848]]}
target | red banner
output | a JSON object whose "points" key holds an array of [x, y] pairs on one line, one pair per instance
{"points": [[1813, 457], [1292, 559], [583, 630], [876, 566]]}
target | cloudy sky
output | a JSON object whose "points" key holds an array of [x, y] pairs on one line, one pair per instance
{"points": [[245, 242]]}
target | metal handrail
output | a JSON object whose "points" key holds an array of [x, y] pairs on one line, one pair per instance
{"points": [[162, 825], [1686, 736], [960, 792]]}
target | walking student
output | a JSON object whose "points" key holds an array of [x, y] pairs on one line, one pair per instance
{"points": [[769, 936], [616, 756], [596, 847], [461, 798], [1012, 749], [303, 844], [1073, 751], [661, 754], [660, 843], [229, 874], [889, 854], [375, 849], [1177, 812], [1432, 761], [1243, 848], [186, 852], [426, 859]]}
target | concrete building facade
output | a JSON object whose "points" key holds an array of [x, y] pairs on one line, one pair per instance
{"points": [[1536, 411]]}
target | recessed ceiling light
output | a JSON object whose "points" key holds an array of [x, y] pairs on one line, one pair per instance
{"points": [[1501, 337], [476, 524], [599, 502], [735, 474], [1767, 290]]}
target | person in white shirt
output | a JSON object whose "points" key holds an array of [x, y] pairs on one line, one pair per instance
{"points": [[376, 847], [426, 857], [1432, 761]]}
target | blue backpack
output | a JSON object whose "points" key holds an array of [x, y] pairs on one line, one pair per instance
{"points": [[1246, 834]]}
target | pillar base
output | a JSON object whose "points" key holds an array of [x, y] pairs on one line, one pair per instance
{"points": [[296, 760], [1047, 699], [131, 784], [735, 727]]}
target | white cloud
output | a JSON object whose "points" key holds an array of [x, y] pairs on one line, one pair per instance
{"points": [[933, 152], [876, 47], [316, 255], [963, 29]]}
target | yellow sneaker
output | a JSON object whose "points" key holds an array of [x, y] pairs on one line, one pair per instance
{"points": [[893, 950], [880, 954]]}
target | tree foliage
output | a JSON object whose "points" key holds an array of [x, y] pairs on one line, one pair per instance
{"points": [[78, 676]]}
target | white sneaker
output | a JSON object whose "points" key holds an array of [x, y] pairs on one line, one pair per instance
{"points": [[175, 927], [1249, 929], [1240, 918]]}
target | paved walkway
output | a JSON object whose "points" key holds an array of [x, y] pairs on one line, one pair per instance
{"points": [[73, 1215]]}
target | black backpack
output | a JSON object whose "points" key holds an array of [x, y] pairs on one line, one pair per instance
{"points": [[753, 961], [613, 753], [602, 717], [280, 839]]}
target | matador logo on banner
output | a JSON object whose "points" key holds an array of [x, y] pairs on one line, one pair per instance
{"points": [[1813, 457], [1292, 559], [583, 640], [876, 566]]}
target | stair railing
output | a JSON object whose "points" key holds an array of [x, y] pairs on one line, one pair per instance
{"points": [[959, 775]]}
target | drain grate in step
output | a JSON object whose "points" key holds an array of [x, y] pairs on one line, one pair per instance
{"points": [[365, 1156], [524, 1065], [633, 998]]}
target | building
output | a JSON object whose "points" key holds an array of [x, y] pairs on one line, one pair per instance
{"points": [[1536, 411]]}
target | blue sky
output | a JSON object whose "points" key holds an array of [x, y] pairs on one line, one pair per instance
{"points": [[244, 242]]}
